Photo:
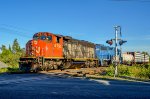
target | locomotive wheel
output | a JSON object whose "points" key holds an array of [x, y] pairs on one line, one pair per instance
{"points": [[87, 64], [35, 71], [45, 68], [26, 69], [67, 65], [92, 64], [50, 67], [55, 67], [35, 68]]}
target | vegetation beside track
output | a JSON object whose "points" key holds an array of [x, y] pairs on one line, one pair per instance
{"points": [[10, 56], [9, 69], [136, 71]]}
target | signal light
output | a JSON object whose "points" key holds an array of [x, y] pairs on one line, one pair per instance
{"points": [[121, 42], [110, 42]]}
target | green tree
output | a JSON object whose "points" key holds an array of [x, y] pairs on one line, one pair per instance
{"points": [[11, 55], [10, 48], [3, 47], [5, 55], [16, 46]]}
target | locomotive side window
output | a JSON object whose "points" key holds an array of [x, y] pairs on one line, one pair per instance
{"points": [[57, 39]]}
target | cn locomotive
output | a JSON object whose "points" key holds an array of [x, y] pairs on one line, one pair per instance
{"points": [[48, 51]]}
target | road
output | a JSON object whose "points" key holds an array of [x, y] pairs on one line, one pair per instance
{"points": [[52, 86]]}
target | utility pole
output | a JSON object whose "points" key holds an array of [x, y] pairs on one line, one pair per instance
{"points": [[116, 51], [121, 55]]}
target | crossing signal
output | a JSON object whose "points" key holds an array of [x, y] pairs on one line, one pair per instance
{"points": [[121, 42], [110, 42]]}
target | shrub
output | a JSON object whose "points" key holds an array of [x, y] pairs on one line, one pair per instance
{"points": [[13, 69], [137, 71], [2, 70], [124, 70], [110, 71]]}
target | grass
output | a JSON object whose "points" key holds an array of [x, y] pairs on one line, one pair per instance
{"points": [[135, 71], [9, 69], [3, 70]]}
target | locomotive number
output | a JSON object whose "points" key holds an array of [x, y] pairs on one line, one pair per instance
{"points": [[57, 45]]}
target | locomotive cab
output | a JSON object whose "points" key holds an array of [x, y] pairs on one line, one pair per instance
{"points": [[44, 45], [43, 48]]}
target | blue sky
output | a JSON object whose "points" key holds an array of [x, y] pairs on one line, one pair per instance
{"points": [[91, 20]]}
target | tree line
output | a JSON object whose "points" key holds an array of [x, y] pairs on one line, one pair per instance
{"points": [[11, 55]]}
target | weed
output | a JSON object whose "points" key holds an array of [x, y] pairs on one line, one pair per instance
{"points": [[137, 71]]}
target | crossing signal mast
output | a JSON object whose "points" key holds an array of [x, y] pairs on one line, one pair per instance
{"points": [[121, 42]]}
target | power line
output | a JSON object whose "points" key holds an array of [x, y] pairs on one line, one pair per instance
{"points": [[16, 28], [15, 32]]}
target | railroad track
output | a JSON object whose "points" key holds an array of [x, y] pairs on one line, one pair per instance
{"points": [[78, 72]]}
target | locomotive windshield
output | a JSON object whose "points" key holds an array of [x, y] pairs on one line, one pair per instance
{"points": [[49, 38], [42, 37], [36, 37]]}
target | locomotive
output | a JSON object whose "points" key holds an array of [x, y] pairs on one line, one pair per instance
{"points": [[48, 51]]}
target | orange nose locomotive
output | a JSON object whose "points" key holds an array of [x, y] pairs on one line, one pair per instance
{"points": [[50, 51], [43, 45]]}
